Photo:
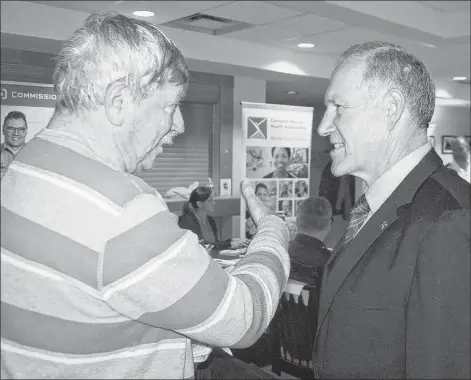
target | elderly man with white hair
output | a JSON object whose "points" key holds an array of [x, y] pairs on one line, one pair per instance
{"points": [[98, 280]]}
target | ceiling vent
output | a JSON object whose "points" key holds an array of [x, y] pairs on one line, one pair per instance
{"points": [[208, 24]]}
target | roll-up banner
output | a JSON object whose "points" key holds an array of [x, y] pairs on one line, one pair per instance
{"points": [[277, 142], [36, 101]]}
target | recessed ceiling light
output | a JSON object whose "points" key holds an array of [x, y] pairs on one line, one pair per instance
{"points": [[459, 78], [306, 45], [291, 92], [143, 13]]}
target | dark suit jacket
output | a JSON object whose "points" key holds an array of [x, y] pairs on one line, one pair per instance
{"points": [[308, 257], [189, 221], [396, 304]]}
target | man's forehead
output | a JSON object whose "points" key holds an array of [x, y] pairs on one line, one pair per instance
{"points": [[347, 81], [15, 123]]}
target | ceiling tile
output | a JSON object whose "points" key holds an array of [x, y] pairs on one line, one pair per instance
{"points": [[252, 12], [289, 29]]}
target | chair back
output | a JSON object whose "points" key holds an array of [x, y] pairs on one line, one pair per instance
{"points": [[294, 330]]}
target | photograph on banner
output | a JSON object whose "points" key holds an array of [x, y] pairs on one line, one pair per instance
{"points": [[296, 205], [277, 162], [35, 101], [301, 189], [285, 189], [277, 142], [266, 191]]}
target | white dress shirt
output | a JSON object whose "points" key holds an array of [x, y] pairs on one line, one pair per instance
{"points": [[384, 186]]}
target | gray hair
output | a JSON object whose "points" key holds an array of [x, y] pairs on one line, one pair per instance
{"points": [[389, 64], [314, 213], [110, 47]]}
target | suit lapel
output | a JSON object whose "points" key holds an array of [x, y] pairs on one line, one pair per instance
{"points": [[374, 227]]}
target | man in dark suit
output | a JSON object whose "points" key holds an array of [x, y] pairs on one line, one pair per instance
{"points": [[395, 299], [307, 252]]}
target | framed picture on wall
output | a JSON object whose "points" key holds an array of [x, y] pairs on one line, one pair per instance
{"points": [[431, 140], [446, 144]]}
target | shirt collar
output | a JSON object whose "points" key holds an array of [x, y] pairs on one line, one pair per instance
{"points": [[302, 238], [384, 186]]}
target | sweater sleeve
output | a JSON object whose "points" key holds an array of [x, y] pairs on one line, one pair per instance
{"points": [[157, 273]]}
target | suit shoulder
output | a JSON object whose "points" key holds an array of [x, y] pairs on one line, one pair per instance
{"points": [[454, 186], [442, 192]]}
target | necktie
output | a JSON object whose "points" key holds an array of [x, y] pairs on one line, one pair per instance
{"points": [[358, 216]]}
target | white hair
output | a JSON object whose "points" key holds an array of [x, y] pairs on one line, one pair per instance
{"points": [[111, 47]]}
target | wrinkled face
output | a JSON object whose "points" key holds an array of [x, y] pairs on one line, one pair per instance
{"points": [[262, 194], [280, 158], [150, 124], [15, 131], [354, 123]]}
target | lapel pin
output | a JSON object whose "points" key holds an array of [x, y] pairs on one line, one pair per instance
{"points": [[384, 225]]}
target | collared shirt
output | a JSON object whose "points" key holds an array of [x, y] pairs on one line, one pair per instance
{"points": [[384, 186], [7, 156]]}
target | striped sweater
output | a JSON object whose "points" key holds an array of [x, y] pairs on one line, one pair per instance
{"points": [[98, 280]]}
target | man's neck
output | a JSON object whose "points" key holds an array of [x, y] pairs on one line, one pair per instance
{"points": [[319, 235], [13, 149], [397, 151], [94, 132]]}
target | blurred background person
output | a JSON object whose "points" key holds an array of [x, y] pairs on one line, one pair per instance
{"points": [[301, 190], [196, 218], [281, 160], [461, 158], [15, 129], [308, 253]]}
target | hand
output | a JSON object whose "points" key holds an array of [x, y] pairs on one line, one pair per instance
{"points": [[255, 206], [237, 243]]}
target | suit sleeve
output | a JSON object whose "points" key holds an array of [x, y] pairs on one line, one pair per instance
{"points": [[438, 316]]}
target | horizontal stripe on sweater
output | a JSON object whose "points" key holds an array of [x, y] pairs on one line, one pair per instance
{"points": [[53, 334]]}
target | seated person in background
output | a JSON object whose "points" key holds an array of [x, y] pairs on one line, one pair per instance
{"points": [[308, 253], [196, 218], [461, 158]]}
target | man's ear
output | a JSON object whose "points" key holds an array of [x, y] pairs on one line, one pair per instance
{"points": [[117, 97], [394, 104]]}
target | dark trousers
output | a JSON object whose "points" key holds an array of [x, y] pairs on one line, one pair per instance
{"points": [[221, 365]]}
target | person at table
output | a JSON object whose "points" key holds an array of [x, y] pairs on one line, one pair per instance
{"points": [[98, 279], [281, 160], [196, 217], [15, 129], [307, 252]]}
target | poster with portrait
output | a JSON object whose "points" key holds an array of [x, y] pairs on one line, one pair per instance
{"points": [[277, 142], [36, 101]]}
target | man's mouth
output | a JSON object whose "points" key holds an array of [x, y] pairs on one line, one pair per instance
{"points": [[338, 146]]}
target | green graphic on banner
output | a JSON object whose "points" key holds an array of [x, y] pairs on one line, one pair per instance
{"points": [[27, 95]]}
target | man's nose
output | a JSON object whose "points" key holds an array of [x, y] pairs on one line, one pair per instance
{"points": [[326, 126], [178, 122]]}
